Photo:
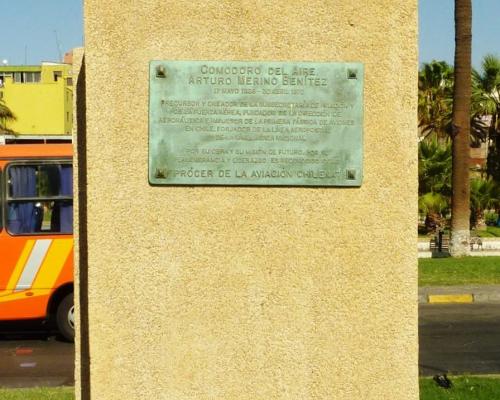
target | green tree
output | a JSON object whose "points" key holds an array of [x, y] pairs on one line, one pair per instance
{"points": [[434, 167], [435, 101], [462, 90], [484, 195], [6, 116], [435, 86], [434, 178], [434, 206], [493, 161], [486, 105], [486, 91]]}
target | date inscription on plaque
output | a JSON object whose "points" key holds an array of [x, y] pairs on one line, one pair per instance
{"points": [[255, 123]]}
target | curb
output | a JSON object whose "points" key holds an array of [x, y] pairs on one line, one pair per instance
{"points": [[473, 294], [450, 298]]}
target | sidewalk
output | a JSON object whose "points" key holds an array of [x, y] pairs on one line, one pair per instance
{"points": [[459, 294]]}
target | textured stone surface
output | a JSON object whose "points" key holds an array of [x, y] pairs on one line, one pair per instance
{"points": [[241, 292], [78, 105]]}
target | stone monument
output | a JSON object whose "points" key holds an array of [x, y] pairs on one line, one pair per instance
{"points": [[247, 196]]}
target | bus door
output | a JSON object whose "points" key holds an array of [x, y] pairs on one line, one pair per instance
{"points": [[36, 240]]}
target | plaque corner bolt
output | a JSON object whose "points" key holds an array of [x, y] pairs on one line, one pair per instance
{"points": [[160, 173], [351, 174], [161, 71], [352, 74]]}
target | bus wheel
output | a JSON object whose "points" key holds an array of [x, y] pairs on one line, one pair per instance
{"points": [[65, 317]]}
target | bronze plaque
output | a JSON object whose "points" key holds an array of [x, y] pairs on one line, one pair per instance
{"points": [[255, 123]]}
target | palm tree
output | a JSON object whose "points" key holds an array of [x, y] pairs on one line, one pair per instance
{"points": [[486, 90], [493, 162], [486, 105], [460, 211], [484, 195], [435, 99], [434, 167], [434, 181], [6, 116], [433, 205], [435, 86]]}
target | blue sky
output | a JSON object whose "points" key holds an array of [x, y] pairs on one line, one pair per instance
{"points": [[437, 35], [29, 28]]}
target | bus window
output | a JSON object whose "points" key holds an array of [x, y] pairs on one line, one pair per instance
{"points": [[39, 198]]}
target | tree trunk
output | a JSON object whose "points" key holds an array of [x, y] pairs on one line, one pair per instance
{"points": [[460, 209]]}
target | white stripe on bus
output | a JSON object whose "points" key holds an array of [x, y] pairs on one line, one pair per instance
{"points": [[33, 264]]}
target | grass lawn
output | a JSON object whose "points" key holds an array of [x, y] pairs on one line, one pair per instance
{"points": [[459, 271], [464, 388], [491, 231], [64, 393]]}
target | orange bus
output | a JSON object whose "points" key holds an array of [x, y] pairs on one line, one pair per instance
{"points": [[36, 234]]}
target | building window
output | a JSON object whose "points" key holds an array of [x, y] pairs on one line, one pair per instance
{"points": [[32, 77], [27, 77], [57, 75]]}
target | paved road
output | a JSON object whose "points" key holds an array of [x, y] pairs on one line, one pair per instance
{"points": [[459, 338], [30, 356], [453, 338]]}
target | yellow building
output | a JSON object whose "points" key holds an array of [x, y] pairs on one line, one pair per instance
{"points": [[41, 97]]}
